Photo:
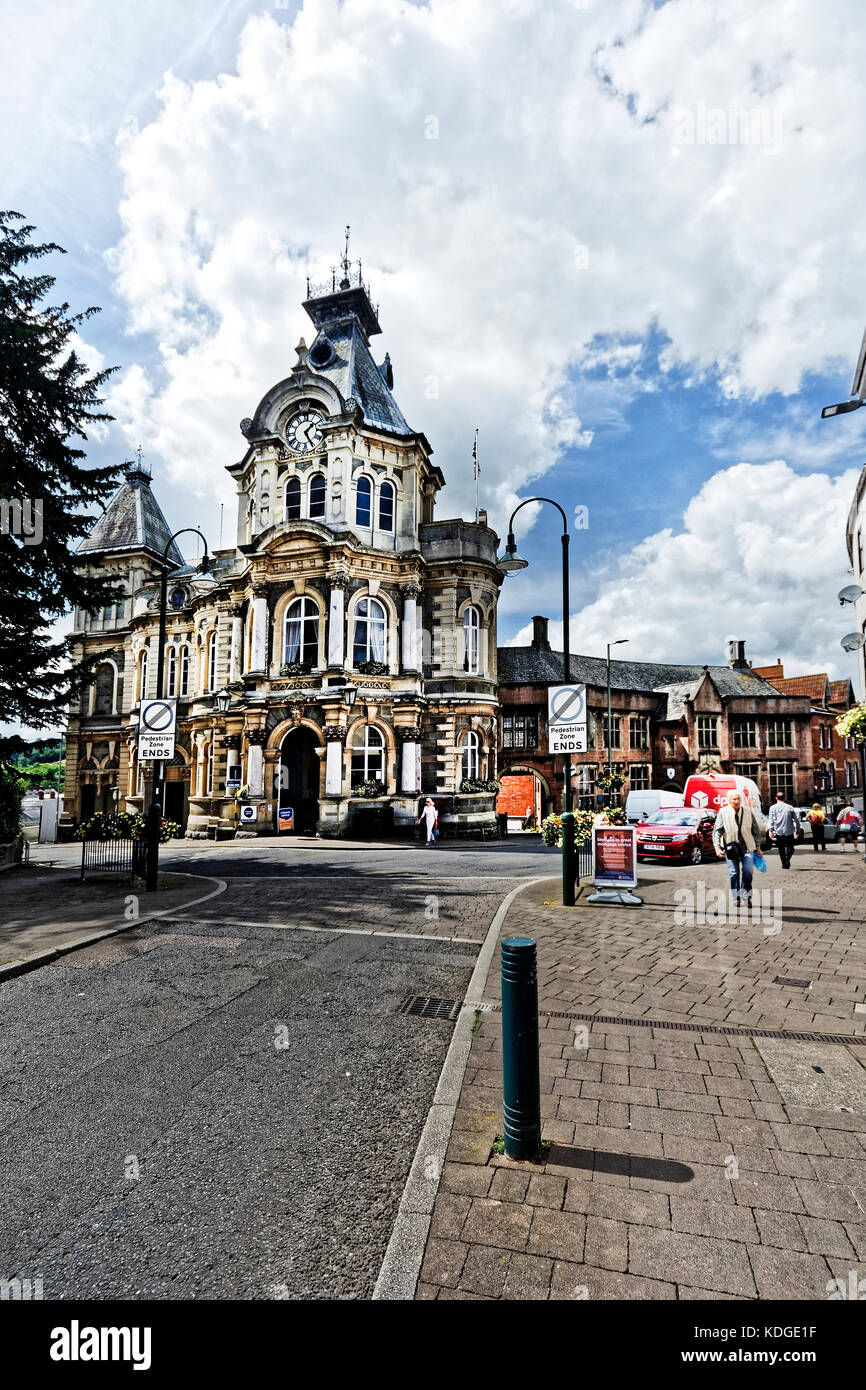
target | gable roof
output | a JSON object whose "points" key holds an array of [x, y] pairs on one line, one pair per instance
{"points": [[841, 692], [133, 520], [815, 687]]}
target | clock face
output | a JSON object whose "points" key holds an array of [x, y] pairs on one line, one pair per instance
{"points": [[304, 431]]}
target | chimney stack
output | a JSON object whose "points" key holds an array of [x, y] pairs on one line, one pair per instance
{"points": [[540, 639], [737, 655]]}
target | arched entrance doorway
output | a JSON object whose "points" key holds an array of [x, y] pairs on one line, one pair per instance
{"points": [[299, 780], [524, 796]]}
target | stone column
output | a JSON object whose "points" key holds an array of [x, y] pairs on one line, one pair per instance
{"points": [[409, 655], [337, 622], [335, 735], [259, 655], [410, 766], [255, 763], [237, 645]]}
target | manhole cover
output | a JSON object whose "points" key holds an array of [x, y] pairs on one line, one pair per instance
{"points": [[426, 1006], [815, 1076]]}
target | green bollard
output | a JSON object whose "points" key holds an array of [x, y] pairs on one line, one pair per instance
{"points": [[569, 859], [520, 1080]]}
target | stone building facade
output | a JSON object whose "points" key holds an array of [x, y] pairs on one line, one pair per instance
{"points": [[668, 721], [351, 635]]}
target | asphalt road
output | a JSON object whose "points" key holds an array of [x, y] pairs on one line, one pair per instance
{"points": [[228, 1107]]}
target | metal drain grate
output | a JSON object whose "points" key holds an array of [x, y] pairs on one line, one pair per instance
{"points": [[855, 1040], [795, 984], [426, 1006]]}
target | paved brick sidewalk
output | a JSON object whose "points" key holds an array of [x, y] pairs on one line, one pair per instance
{"points": [[681, 1165], [44, 908]]}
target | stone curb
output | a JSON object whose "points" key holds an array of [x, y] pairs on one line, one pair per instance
{"points": [[401, 1266], [25, 964]]}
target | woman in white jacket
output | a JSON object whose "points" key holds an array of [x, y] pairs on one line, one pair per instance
{"points": [[737, 836]]}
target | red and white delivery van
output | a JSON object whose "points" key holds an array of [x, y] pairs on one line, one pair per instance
{"points": [[708, 792]]}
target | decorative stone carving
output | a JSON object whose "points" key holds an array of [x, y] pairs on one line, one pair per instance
{"points": [[408, 733], [255, 737], [335, 733]]}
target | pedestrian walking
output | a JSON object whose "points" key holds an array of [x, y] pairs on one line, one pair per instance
{"points": [[816, 819], [430, 815], [528, 819], [783, 827], [737, 834], [848, 824]]}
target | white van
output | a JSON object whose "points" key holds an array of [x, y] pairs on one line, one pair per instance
{"points": [[639, 806]]}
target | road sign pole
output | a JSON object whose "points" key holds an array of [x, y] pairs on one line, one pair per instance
{"points": [[154, 826]]}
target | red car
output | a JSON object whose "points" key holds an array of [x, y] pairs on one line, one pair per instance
{"points": [[683, 833]]}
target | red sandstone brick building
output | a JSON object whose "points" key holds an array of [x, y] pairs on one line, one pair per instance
{"points": [[668, 720], [836, 761]]}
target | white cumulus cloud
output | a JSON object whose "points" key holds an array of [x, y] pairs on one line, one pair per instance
{"points": [[521, 190], [759, 556]]}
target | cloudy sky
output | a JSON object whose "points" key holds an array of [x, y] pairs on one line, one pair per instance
{"points": [[622, 239]]}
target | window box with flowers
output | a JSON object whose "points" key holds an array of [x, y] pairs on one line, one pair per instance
{"points": [[296, 668], [372, 787], [479, 784], [371, 668]]}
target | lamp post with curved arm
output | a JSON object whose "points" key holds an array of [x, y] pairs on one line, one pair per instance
{"points": [[512, 561], [204, 564]]}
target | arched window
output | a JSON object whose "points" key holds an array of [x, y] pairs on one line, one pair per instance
{"points": [[103, 690], [292, 510], [370, 631], [184, 670], [142, 675], [171, 672], [301, 632], [471, 761], [471, 644], [317, 496], [364, 503], [211, 661], [386, 507], [368, 755]]}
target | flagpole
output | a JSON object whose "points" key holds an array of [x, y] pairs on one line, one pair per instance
{"points": [[477, 470]]}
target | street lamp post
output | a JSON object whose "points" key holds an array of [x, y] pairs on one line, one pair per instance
{"points": [[512, 561], [618, 643], [159, 784]]}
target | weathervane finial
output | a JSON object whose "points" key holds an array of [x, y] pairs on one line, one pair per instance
{"points": [[344, 262]]}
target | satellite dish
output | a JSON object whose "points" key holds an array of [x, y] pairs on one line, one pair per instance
{"points": [[853, 641], [850, 593]]}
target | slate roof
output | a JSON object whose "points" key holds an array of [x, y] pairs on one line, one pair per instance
{"points": [[531, 666], [354, 373], [133, 520]]}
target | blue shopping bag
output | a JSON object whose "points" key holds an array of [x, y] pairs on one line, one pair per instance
{"points": [[760, 863]]}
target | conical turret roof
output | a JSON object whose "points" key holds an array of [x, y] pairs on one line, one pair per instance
{"points": [[133, 520]]}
